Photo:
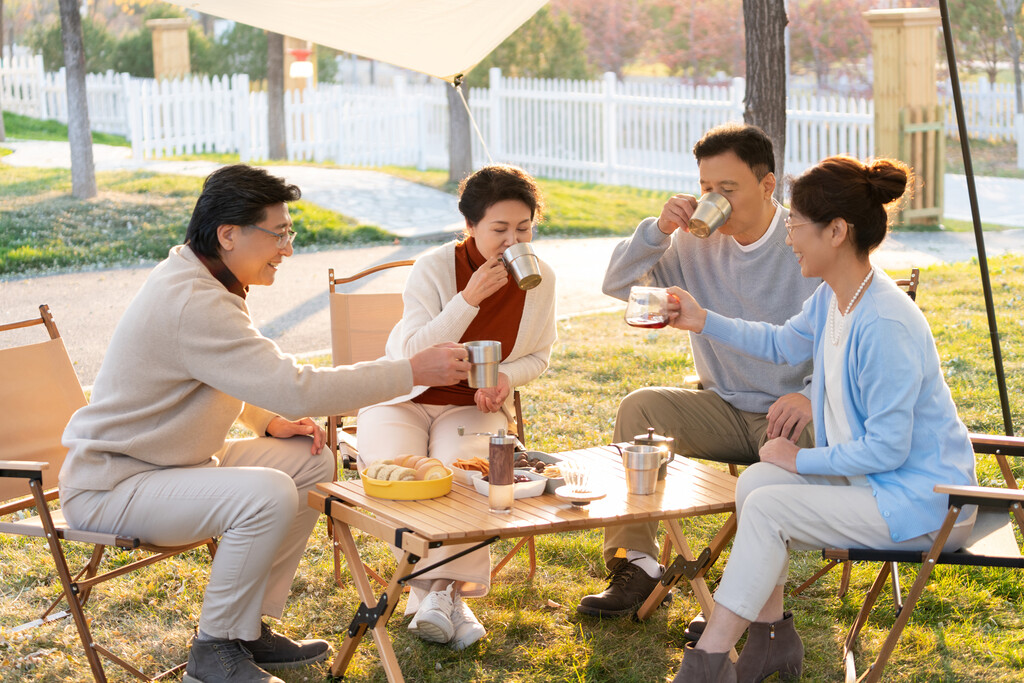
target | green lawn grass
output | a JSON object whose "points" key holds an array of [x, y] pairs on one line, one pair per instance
{"points": [[136, 217], [27, 128], [967, 627]]}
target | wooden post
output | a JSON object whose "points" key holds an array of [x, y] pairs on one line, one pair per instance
{"points": [[904, 52], [170, 48], [296, 44]]}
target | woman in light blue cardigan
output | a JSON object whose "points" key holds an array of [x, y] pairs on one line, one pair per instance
{"points": [[885, 424]]}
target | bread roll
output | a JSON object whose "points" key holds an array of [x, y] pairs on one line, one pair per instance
{"points": [[414, 460], [424, 465], [435, 472], [384, 473], [402, 474], [375, 467], [401, 460]]}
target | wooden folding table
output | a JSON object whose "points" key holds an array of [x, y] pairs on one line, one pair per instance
{"points": [[691, 489]]}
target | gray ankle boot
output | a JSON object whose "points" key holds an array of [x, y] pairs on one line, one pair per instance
{"points": [[770, 648], [705, 667], [223, 661]]}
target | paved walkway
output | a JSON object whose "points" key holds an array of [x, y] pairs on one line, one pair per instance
{"points": [[294, 312]]}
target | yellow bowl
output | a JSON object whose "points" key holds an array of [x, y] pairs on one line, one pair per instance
{"points": [[407, 490]]}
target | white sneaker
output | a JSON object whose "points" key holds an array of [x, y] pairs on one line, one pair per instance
{"points": [[468, 628], [433, 620]]}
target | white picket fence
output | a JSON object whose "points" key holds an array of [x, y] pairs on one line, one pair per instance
{"points": [[602, 131], [989, 109]]}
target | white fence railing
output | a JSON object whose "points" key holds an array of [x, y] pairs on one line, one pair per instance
{"points": [[605, 131], [989, 109]]}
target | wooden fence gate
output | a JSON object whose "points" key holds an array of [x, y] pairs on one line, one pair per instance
{"points": [[923, 146]]}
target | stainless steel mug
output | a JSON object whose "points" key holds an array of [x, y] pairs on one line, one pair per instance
{"points": [[642, 464], [484, 358], [522, 264], [712, 212]]}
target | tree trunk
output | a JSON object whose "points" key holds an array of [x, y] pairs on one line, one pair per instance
{"points": [[765, 102], [275, 97], [83, 170], [206, 23], [460, 148], [3, 132]]}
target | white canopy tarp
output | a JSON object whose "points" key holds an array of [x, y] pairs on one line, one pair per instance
{"points": [[442, 38]]}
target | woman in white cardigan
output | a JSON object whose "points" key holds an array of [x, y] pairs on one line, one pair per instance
{"points": [[461, 292]]}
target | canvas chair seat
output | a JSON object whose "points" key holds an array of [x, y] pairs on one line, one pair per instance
{"points": [[992, 543], [39, 392]]}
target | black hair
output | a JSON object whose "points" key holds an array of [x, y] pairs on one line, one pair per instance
{"points": [[861, 194], [751, 144], [234, 195], [496, 183]]}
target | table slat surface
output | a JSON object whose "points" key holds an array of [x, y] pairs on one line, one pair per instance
{"points": [[690, 489]]}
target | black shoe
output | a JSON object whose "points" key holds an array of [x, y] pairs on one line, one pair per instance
{"points": [[223, 661], [695, 629], [274, 651], [629, 586]]}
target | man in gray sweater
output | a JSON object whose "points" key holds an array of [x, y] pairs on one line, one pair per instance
{"points": [[745, 270]]}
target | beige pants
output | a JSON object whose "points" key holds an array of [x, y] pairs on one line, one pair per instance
{"points": [[781, 511], [386, 431], [703, 425], [255, 500]]}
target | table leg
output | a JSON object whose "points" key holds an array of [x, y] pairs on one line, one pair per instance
{"points": [[365, 591], [700, 588]]}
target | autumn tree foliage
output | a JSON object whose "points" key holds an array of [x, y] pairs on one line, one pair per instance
{"points": [[615, 31], [978, 35], [698, 38], [830, 38]]}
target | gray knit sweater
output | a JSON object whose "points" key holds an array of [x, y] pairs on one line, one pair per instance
{"points": [[759, 282]]}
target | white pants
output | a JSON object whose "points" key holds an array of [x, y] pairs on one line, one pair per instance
{"points": [[255, 500], [779, 511], [386, 431]]}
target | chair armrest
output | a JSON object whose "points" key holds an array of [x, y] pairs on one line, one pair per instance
{"points": [[994, 443], [981, 495], [27, 469]]}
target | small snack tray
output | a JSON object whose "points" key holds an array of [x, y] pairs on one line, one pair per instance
{"points": [[526, 489], [553, 482]]}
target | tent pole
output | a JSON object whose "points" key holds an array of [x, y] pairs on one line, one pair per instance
{"points": [[979, 237]]}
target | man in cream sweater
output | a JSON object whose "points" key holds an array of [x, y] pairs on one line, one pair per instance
{"points": [[149, 456]]}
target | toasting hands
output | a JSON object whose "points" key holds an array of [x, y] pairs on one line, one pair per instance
{"points": [[440, 365], [684, 313]]}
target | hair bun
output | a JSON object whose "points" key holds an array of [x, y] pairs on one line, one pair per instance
{"points": [[887, 179]]}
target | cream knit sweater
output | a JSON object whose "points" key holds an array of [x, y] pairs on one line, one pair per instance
{"points": [[183, 360], [434, 312]]}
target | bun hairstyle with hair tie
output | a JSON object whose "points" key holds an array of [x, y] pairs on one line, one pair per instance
{"points": [[861, 194]]}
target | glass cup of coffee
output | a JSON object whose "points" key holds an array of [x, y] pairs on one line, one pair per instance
{"points": [[712, 212], [648, 307]]}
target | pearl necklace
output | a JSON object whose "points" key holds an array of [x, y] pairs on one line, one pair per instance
{"points": [[835, 331]]}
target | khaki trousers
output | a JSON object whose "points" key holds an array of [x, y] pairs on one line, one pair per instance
{"points": [[255, 500], [703, 425], [386, 431], [781, 511]]}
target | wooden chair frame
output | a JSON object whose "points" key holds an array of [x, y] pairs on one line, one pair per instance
{"points": [[991, 545], [50, 524], [341, 437]]}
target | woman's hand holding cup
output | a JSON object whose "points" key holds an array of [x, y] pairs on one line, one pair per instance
{"points": [[485, 281], [684, 313]]}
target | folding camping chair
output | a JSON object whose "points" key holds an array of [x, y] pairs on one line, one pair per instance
{"points": [[38, 394], [360, 325], [991, 544]]}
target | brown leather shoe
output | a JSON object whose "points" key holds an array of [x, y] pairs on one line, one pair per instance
{"points": [[705, 667], [628, 587], [274, 651], [770, 648]]}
